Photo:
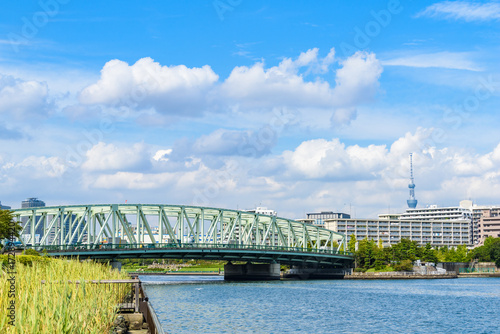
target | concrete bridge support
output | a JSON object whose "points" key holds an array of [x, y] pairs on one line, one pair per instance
{"points": [[116, 265], [299, 272], [251, 272]]}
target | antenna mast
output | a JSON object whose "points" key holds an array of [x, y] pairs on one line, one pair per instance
{"points": [[412, 202]]}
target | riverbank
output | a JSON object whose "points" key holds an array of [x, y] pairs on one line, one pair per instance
{"points": [[179, 273], [476, 275], [136, 315], [398, 275]]}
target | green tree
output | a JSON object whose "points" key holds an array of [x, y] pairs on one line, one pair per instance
{"points": [[462, 254], [429, 254], [481, 254], [351, 247], [495, 252], [369, 255], [405, 249], [8, 227], [405, 265], [380, 257]]}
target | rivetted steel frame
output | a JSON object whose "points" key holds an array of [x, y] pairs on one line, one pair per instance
{"points": [[91, 224]]}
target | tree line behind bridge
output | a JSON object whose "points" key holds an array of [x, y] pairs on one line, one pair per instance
{"points": [[401, 256]]}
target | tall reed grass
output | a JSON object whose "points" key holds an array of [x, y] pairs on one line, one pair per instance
{"points": [[59, 306]]}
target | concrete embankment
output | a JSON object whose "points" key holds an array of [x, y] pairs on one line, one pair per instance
{"points": [[464, 275], [181, 273], [136, 315], [395, 275]]}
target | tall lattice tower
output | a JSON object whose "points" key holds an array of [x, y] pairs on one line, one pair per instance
{"points": [[412, 202]]}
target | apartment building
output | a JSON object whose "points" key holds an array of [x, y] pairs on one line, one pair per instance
{"points": [[489, 224], [391, 230]]}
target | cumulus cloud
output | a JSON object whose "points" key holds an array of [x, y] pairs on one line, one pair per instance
{"points": [[23, 99], [320, 158], [109, 157], [323, 174], [463, 10], [147, 84], [162, 155], [357, 79], [34, 167], [303, 82], [317, 174], [283, 85]]}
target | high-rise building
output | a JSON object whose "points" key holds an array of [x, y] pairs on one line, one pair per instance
{"points": [[489, 224], [32, 202], [412, 202], [4, 207]]}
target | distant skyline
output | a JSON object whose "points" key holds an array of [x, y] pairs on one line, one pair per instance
{"points": [[295, 106]]}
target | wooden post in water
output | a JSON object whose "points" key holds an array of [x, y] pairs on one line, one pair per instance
{"points": [[136, 297]]}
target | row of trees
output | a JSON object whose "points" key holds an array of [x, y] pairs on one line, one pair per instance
{"points": [[401, 256]]}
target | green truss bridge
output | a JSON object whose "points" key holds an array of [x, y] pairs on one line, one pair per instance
{"points": [[117, 231]]}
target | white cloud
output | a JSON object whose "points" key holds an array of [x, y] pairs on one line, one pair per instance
{"points": [[319, 158], [293, 83], [23, 99], [357, 79], [147, 84], [284, 85], [34, 167], [109, 157], [318, 174], [448, 60], [162, 155], [463, 10]]}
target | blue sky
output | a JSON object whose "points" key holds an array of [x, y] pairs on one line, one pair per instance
{"points": [[295, 105]]}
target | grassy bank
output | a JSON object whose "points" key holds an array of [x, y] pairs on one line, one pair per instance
{"points": [[58, 306]]}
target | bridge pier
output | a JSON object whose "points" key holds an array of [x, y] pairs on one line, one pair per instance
{"points": [[299, 272], [251, 272], [116, 265]]}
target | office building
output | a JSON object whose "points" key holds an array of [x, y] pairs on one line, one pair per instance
{"points": [[4, 207]]}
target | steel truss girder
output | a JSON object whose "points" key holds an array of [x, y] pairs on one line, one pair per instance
{"points": [[110, 223]]}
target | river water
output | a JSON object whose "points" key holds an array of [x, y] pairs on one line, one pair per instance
{"points": [[195, 304]]}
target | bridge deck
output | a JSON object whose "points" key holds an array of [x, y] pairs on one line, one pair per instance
{"points": [[266, 254]]}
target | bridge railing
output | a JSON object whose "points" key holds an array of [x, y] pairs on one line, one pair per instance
{"points": [[110, 247]]}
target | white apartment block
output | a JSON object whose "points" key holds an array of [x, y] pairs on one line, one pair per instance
{"points": [[391, 230]]}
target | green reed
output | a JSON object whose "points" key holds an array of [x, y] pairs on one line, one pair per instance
{"points": [[58, 306]]}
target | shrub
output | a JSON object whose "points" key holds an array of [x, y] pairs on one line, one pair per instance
{"points": [[31, 252], [405, 265]]}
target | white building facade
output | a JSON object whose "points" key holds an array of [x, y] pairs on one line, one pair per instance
{"points": [[438, 233], [438, 226]]}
